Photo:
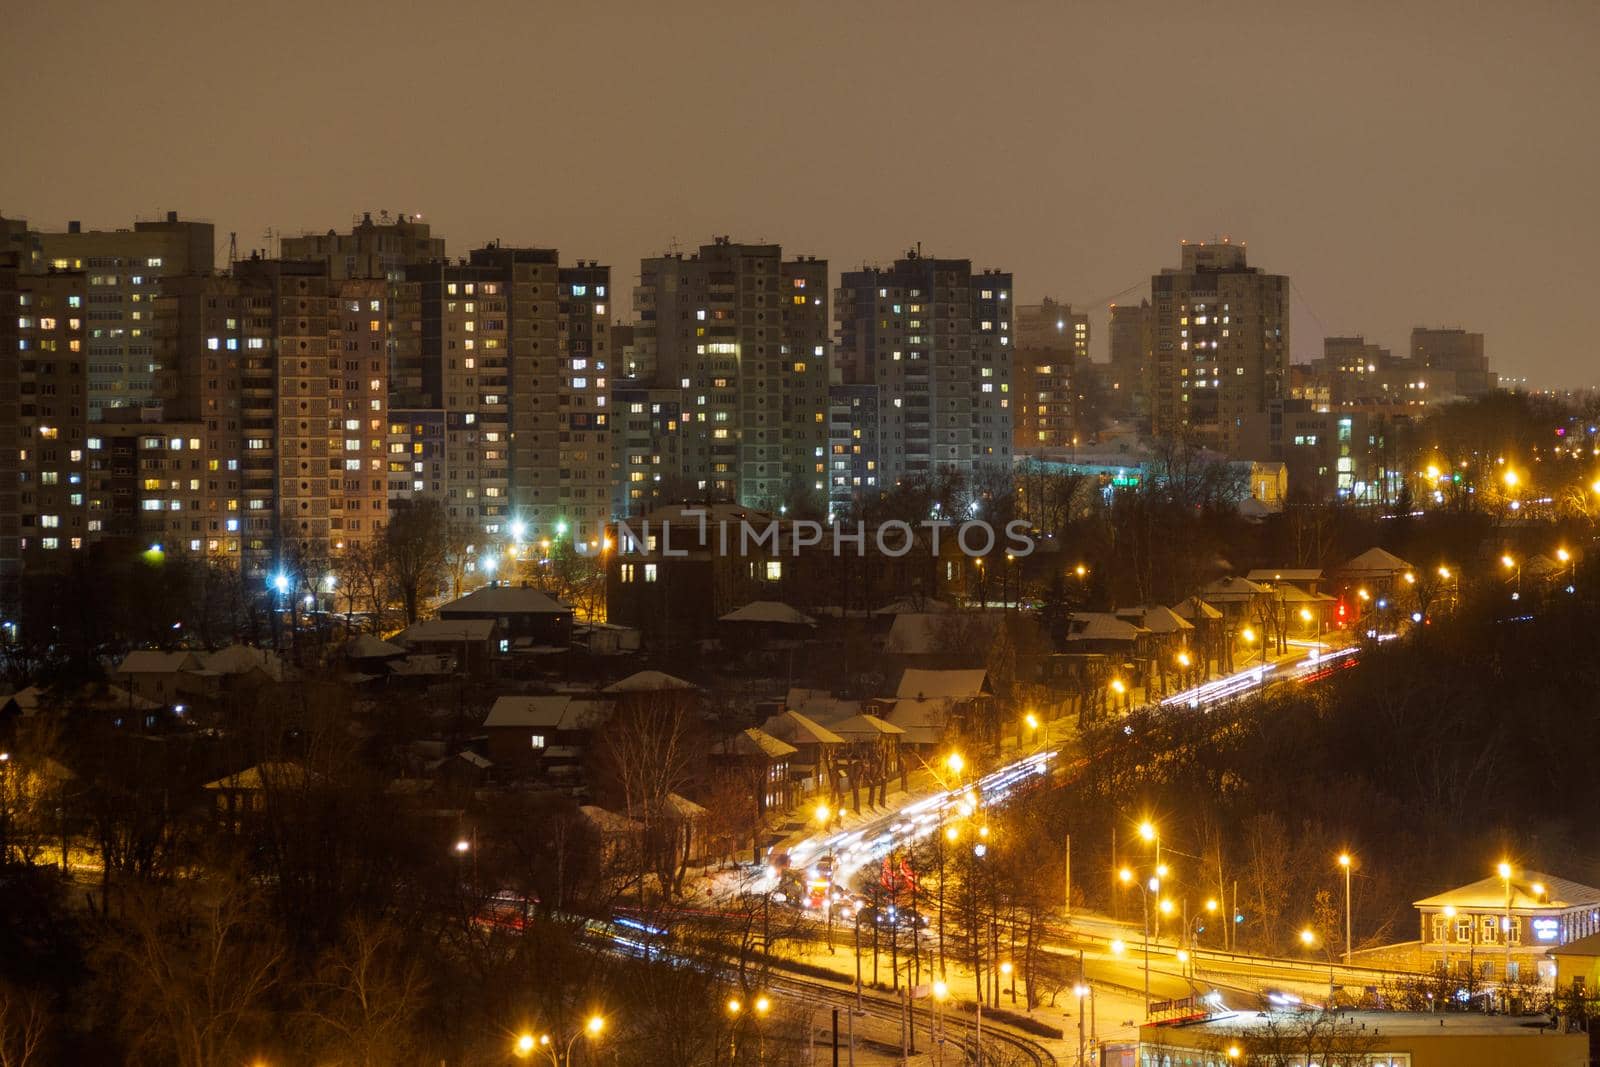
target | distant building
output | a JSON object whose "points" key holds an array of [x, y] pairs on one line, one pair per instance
{"points": [[1221, 344], [125, 271], [742, 334], [1345, 453], [1052, 346], [1458, 354], [854, 461], [381, 249], [1129, 377], [936, 339]]}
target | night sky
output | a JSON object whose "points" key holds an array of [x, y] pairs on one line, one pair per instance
{"points": [[1432, 165]]}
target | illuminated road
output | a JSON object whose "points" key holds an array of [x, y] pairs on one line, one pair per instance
{"points": [[868, 842]]}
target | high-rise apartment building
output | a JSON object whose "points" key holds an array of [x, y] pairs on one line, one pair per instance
{"points": [[125, 271], [513, 352], [646, 437], [53, 442], [1052, 349], [381, 249], [284, 370], [853, 456], [1221, 344], [1128, 379], [936, 339], [11, 256], [742, 334]]}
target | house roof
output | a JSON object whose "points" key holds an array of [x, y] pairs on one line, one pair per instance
{"points": [[1583, 946], [366, 646], [1191, 609], [422, 666], [1285, 574], [648, 682], [253, 779], [769, 612], [920, 722], [242, 659], [755, 742], [1376, 561], [914, 606], [557, 712], [506, 600], [948, 685], [1163, 620], [1491, 893], [1101, 626], [1231, 588], [608, 822], [152, 661], [798, 729], [924, 633], [820, 705], [864, 727], [437, 630]]}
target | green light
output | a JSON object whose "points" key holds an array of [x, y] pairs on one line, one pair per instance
{"points": [[154, 554], [561, 528]]}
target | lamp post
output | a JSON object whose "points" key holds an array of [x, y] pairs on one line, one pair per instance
{"points": [[1128, 879], [1505, 931], [1345, 862], [1080, 991]]}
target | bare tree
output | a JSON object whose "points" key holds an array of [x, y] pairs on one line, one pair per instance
{"points": [[368, 998], [648, 751], [416, 544], [24, 1022]]}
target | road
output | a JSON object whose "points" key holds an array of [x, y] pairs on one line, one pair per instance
{"points": [[867, 841]]}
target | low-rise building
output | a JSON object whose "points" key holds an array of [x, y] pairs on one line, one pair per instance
{"points": [[1504, 925], [1370, 1038]]}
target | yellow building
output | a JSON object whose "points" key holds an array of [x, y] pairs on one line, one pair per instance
{"points": [[1578, 964]]}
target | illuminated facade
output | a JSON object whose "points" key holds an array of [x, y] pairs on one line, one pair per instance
{"points": [[1221, 344], [937, 341]]}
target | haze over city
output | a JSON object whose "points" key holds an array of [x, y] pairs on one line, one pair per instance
{"points": [[1405, 165], [735, 535]]}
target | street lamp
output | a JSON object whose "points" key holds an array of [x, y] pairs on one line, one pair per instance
{"points": [[1345, 862], [1505, 871], [1008, 971], [1308, 938], [1126, 875]]}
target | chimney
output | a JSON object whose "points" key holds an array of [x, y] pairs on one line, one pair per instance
{"points": [[74, 226]]}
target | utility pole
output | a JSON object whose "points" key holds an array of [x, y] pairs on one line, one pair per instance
{"points": [[1067, 911]]}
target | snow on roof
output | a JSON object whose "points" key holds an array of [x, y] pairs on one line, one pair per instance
{"points": [[798, 729], [646, 682], [754, 742], [558, 712], [505, 600], [1376, 561], [920, 722], [946, 685], [1285, 574], [820, 705], [422, 666], [476, 760], [436, 630], [1192, 608], [153, 661], [1101, 626], [608, 822], [251, 779], [914, 606], [768, 611], [366, 646], [242, 659], [1230, 588], [1156, 619], [1490, 893], [925, 632], [864, 727]]}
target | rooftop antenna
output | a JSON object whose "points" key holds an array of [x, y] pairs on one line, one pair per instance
{"points": [[233, 249]]}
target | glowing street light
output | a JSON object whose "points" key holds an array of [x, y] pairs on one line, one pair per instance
{"points": [[955, 762], [1308, 937], [525, 1044], [1346, 862]]}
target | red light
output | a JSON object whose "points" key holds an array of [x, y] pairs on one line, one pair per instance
{"points": [[1341, 609]]}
